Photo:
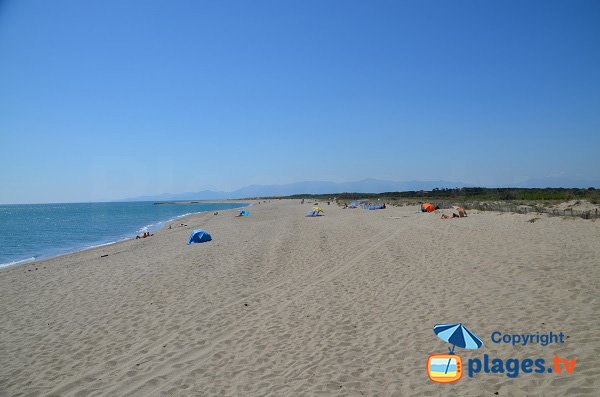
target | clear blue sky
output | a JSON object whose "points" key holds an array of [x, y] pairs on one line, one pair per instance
{"points": [[111, 99]]}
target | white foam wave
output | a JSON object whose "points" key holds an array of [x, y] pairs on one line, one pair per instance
{"points": [[152, 227], [102, 245], [14, 263]]}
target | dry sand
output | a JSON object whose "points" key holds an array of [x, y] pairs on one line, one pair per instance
{"points": [[279, 304]]}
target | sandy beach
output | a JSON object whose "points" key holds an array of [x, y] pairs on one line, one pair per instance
{"points": [[280, 304]]}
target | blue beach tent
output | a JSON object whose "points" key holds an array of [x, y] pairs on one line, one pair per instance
{"points": [[244, 213], [374, 206], [199, 236]]}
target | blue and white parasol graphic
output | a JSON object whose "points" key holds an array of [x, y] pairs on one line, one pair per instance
{"points": [[458, 335]]}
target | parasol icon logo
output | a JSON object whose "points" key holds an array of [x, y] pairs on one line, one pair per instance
{"points": [[448, 368]]}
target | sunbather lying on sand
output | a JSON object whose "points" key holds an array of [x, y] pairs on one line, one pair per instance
{"points": [[461, 211], [445, 216], [146, 234]]}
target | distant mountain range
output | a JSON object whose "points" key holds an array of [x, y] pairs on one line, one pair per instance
{"points": [[307, 187], [363, 186]]}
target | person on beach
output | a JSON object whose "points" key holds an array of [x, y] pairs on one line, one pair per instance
{"points": [[445, 216], [461, 211]]}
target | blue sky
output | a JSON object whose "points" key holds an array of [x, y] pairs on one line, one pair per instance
{"points": [[111, 99]]}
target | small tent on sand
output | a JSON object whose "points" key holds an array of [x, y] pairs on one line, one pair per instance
{"points": [[427, 207], [374, 206], [316, 211], [199, 236]]}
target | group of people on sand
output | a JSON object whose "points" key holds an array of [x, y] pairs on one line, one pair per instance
{"points": [[146, 234], [428, 207], [180, 225]]}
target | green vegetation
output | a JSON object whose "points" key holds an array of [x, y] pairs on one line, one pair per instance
{"points": [[518, 200], [470, 194]]}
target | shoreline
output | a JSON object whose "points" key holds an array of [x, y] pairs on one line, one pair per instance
{"points": [[33, 260]]}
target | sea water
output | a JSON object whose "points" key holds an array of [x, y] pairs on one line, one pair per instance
{"points": [[35, 231]]}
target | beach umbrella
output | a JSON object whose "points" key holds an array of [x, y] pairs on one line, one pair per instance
{"points": [[458, 335]]}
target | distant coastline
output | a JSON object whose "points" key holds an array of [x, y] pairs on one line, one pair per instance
{"points": [[178, 202], [62, 229]]}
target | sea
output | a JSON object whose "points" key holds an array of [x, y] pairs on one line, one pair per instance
{"points": [[30, 232]]}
